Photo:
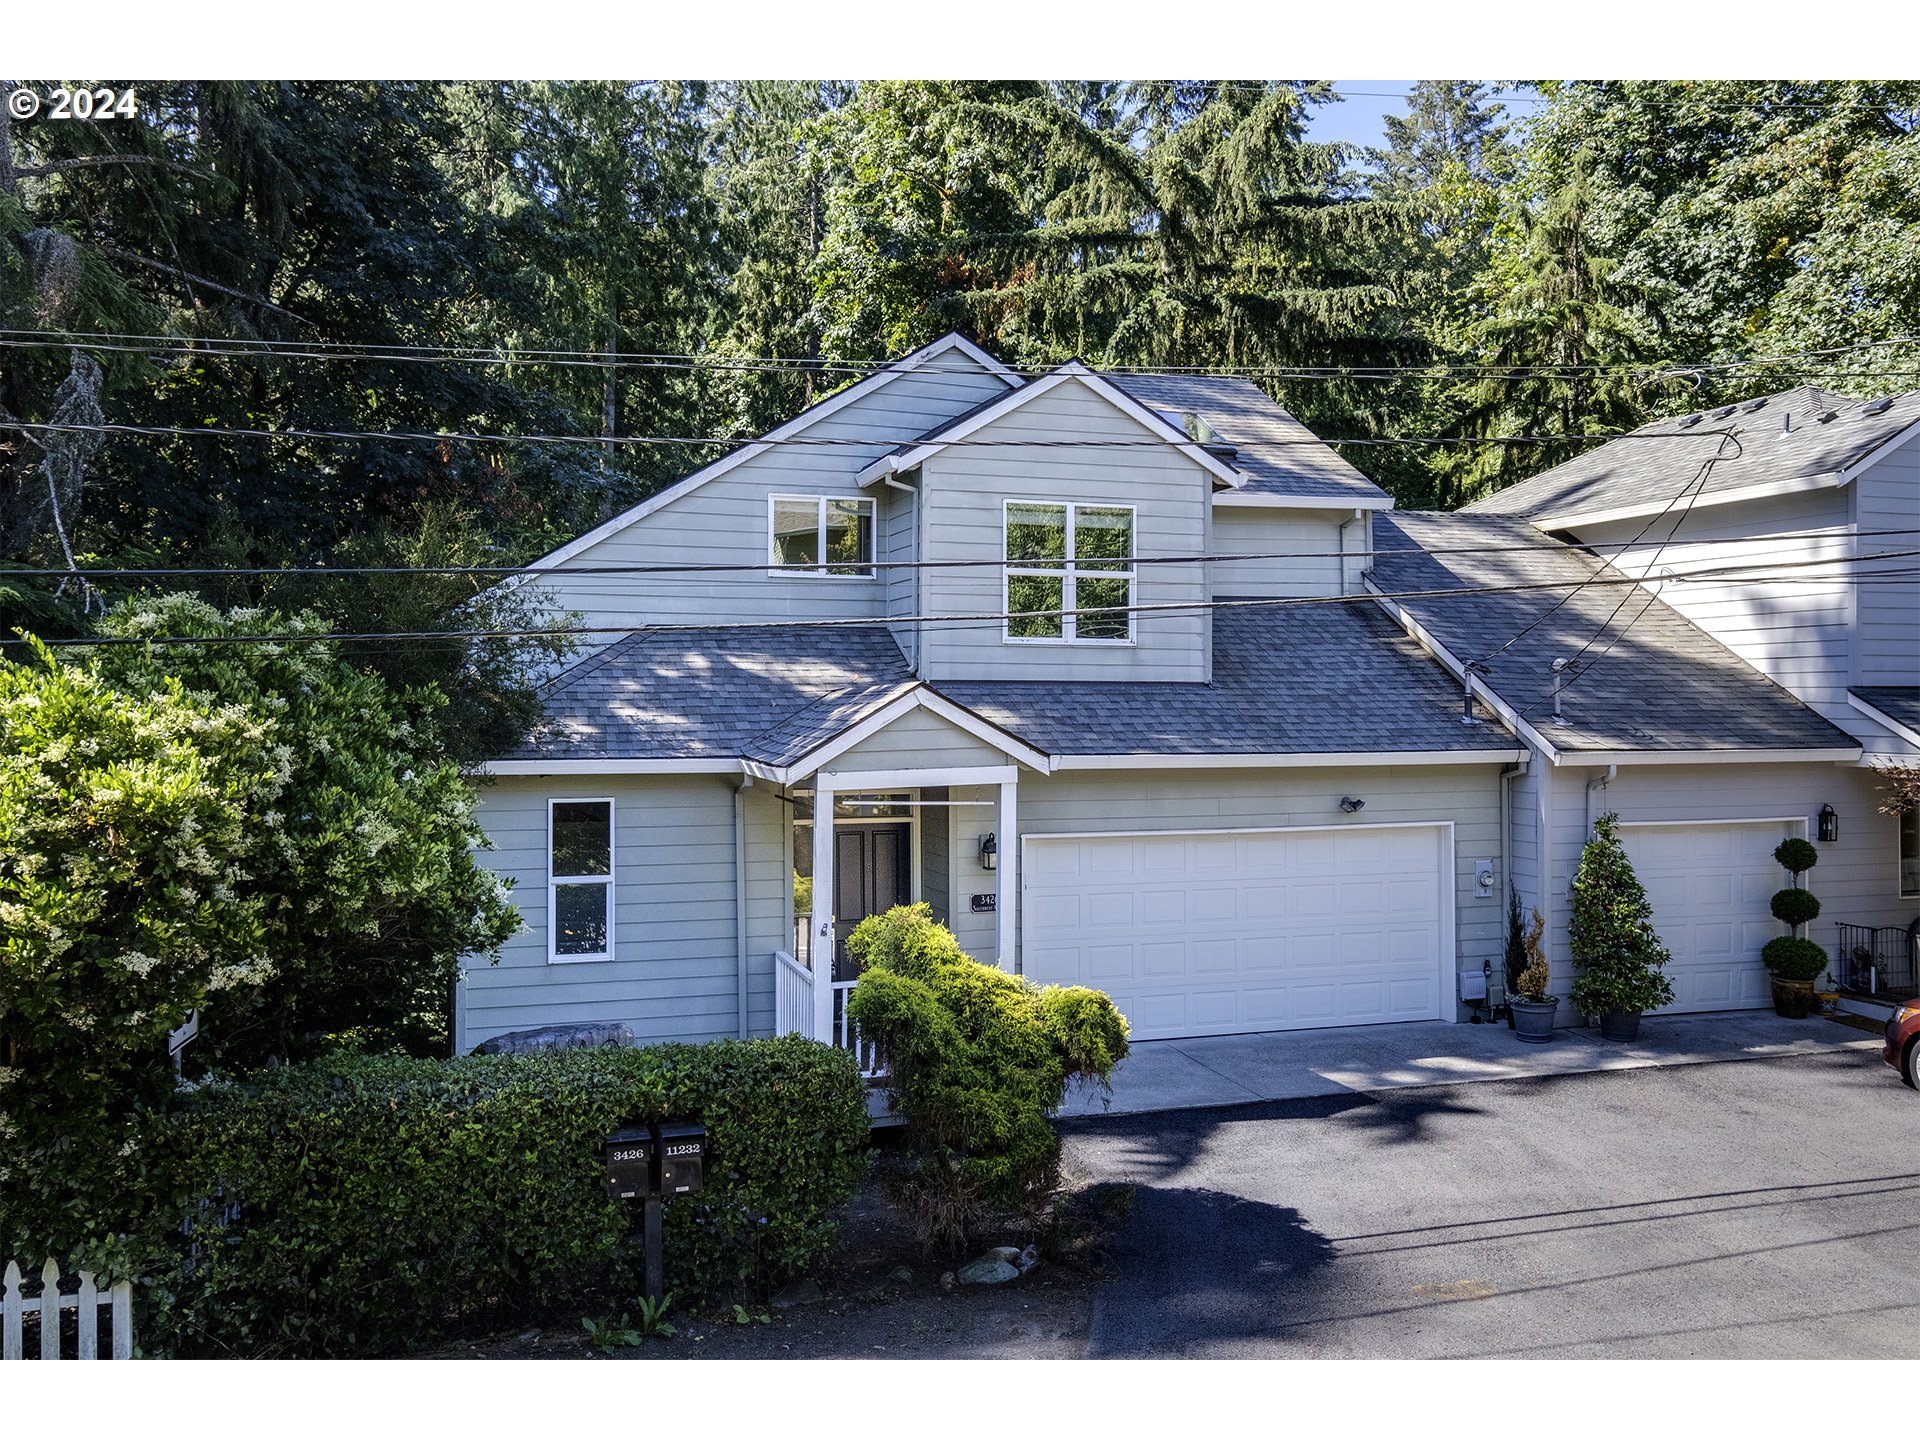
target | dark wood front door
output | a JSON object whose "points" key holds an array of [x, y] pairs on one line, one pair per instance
{"points": [[872, 873]]}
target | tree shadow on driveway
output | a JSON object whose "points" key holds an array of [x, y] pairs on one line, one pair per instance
{"points": [[1238, 1258]]}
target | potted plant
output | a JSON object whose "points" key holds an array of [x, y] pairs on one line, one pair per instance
{"points": [[1622, 962], [1530, 1008], [1795, 961]]}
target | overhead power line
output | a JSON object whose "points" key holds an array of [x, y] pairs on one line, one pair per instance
{"points": [[215, 347], [1541, 547], [1182, 607], [439, 437]]}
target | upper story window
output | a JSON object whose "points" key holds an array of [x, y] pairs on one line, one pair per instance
{"points": [[579, 880], [822, 535], [1069, 573]]}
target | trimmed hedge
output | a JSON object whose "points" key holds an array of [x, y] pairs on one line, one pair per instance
{"points": [[368, 1206], [1794, 906], [1791, 958]]}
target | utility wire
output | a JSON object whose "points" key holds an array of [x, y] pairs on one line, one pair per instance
{"points": [[1186, 607], [187, 347], [1541, 547], [433, 437]]}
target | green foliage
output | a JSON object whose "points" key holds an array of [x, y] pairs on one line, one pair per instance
{"points": [[1796, 855], [369, 1206], [979, 1060], [1514, 950], [610, 1335], [1531, 983], [1794, 906], [1610, 932], [364, 872], [653, 1315], [129, 835], [1790, 957]]}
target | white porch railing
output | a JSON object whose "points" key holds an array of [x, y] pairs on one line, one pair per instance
{"points": [[847, 1037], [792, 996], [47, 1305]]}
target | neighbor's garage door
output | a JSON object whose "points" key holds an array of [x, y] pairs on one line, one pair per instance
{"points": [[1227, 932], [1709, 886]]}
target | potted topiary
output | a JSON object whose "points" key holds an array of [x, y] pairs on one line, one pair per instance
{"points": [[1622, 962], [1532, 1009], [1795, 961]]}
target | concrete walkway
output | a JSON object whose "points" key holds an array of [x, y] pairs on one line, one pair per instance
{"points": [[1246, 1069]]}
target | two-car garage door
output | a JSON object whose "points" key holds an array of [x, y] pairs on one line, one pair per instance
{"points": [[1224, 932]]}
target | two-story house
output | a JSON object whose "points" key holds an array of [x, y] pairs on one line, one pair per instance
{"points": [[1137, 685]]}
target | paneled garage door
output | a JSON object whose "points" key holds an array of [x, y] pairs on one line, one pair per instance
{"points": [[1709, 885], [1226, 932]]}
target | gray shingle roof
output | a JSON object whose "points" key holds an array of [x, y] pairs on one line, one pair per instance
{"points": [[717, 694], [1317, 679], [1278, 455], [1900, 703], [1287, 680], [1652, 680], [1650, 468]]}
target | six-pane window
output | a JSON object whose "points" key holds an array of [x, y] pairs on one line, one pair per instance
{"points": [[580, 879], [1069, 572], [823, 534]]}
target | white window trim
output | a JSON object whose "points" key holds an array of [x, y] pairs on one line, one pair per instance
{"points": [[554, 957], [1067, 572], [823, 571]]}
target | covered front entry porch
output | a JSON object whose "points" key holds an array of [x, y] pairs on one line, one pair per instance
{"points": [[892, 837]]}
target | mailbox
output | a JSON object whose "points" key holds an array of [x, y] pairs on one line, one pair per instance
{"points": [[683, 1158], [630, 1156]]}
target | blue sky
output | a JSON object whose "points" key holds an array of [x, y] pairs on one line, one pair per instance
{"points": [[1360, 120]]}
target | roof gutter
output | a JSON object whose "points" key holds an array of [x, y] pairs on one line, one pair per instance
{"points": [[1879, 716]]}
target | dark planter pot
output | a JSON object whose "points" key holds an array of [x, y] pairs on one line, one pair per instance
{"points": [[1620, 1025], [1533, 1020], [1793, 999]]}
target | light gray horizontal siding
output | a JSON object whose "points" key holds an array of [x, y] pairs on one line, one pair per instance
{"points": [[674, 974], [917, 740], [724, 521], [1887, 497], [1309, 539], [1120, 802], [964, 489], [899, 545], [1856, 879]]}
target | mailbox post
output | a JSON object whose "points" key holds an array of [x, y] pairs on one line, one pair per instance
{"points": [[647, 1163]]}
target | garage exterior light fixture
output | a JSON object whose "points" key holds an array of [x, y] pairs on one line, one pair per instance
{"points": [[1829, 823]]}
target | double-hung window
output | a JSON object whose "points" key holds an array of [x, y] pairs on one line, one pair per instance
{"points": [[579, 880], [1069, 573], [822, 535]]}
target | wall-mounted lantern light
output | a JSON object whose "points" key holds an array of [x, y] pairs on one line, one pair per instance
{"points": [[1829, 823], [989, 852]]}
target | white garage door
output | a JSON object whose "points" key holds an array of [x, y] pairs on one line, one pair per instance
{"points": [[1226, 932], [1709, 886]]}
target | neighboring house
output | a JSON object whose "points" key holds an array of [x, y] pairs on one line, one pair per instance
{"points": [[1102, 667]]}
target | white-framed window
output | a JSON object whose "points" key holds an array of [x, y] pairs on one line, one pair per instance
{"points": [[579, 880], [828, 535], [1910, 854], [1069, 575]]}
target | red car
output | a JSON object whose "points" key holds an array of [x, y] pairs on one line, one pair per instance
{"points": [[1903, 1042]]}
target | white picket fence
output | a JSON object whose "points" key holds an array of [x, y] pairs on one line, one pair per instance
{"points": [[47, 1305]]}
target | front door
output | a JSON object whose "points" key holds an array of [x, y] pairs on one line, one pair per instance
{"points": [[872, 873]]}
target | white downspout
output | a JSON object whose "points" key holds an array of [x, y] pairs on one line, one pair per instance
{"points": [[1599, 782], [740, 891]]}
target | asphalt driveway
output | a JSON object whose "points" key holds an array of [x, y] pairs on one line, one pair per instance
{"points": [[1760, 1208]]}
